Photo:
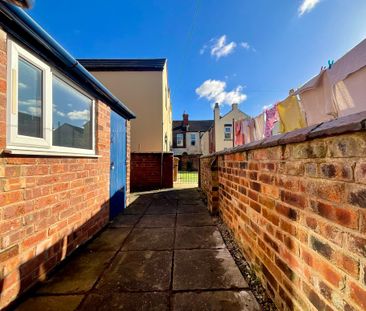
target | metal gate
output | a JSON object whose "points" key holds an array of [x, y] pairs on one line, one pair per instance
{"points": [[187, 177], [117, 165]]}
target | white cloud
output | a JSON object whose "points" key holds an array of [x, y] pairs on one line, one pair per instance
{"points": [[79, 115], [60, 113], [22, 85], [35, 111], [307, 5], [214, 90], [245, 45], [221, 48]]}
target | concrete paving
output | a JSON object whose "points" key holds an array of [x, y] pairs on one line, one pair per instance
{"points": [[163, 253]]}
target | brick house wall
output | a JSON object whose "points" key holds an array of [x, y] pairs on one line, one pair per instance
{"points": [[297, 208], [146, 171], [48, 205]]}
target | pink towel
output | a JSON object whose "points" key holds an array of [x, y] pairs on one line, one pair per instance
{"points": [[271, 119]]}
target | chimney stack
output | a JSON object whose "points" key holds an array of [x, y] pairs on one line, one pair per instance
{"points": [[185, 119], [217, 111], [234, 106]]}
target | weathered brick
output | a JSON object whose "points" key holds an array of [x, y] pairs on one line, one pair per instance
{"points": [[322, 248], [357, 196], [358, 295], [343, 216], [360, 172]]}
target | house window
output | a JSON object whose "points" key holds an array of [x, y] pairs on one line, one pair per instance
{"points": [[71, 116], [180, 140], [193, 139], [47, 113], [228, 131]]}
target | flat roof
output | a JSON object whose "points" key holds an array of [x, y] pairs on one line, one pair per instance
{"points": [[114, 64]]}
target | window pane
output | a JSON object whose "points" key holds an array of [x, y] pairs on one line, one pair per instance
{"points": [[72, 117], [29, 99]]}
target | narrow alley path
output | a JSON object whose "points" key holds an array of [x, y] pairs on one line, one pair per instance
{"points": [[163, 253]]}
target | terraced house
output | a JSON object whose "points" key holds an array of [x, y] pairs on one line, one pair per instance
{"points": [[64, 142]]}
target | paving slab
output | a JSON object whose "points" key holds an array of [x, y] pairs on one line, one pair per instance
{"points": [[194, 220], [124, 220], [109, 240], [157, 221], [135, 209], [215, 301], [206, 269], [191, 202], [51, 303], [198, 237], [161, 210], [137, 271], [78, 274], [150, 239], [192, 209], [127, 302]]}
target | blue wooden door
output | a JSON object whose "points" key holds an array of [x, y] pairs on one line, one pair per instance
{"points": [[118, 165]]}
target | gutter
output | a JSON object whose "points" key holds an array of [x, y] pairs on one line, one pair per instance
{"points": [[22, 27]]}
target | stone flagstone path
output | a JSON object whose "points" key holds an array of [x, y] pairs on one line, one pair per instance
{"points": [[163, 253]]}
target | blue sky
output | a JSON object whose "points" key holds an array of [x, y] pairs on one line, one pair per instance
{"points": [[233, 50]]}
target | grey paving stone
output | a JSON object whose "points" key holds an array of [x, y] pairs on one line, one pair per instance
{"points": [[192, 209], [194, 220], [137, 271], [127, 302], [109, 240], [157, 221], [215, 301], [124, 220], [79, 273], [135, 209], [206, 269], [191, 202], [51, 303], [161, 210], [198, 237], [150, 239]]}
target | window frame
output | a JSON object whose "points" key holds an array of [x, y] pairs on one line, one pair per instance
{"points": [[193, 139], [182, 140], [20, 144], [226, 132]]}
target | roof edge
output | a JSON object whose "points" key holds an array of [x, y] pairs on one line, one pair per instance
{"points": [[21, 26]]}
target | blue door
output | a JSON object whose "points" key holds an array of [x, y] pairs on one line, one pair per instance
{"points": [[118, 165]]}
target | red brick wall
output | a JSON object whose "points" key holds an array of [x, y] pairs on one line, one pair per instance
{"points": [[298, 212], [48, 205], [146, 171]]}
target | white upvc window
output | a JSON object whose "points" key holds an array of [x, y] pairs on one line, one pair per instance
{"points": [[228, 131], [193, 139], [180, 138], [46, 112]]}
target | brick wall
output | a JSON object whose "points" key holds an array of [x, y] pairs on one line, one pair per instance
{"points": [[146, 171], [48, 205], [298, 211]]}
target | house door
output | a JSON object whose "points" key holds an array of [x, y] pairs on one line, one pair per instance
{"points": [[117, 165]]}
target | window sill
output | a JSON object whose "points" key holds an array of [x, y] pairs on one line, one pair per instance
{"points": [[37, 152]]}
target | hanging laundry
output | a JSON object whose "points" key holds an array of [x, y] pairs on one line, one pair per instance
{"points": [[246, 131], [259, 124], [316, 100], [271, 118], [277, 128], [290, 114], [239, 135], [251, 126]]}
